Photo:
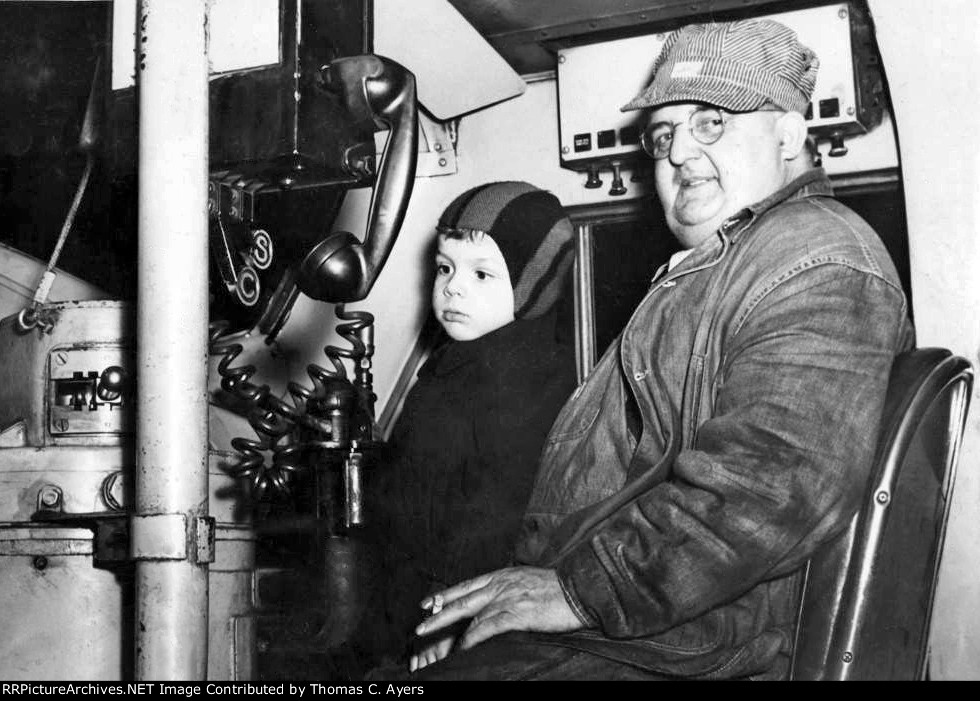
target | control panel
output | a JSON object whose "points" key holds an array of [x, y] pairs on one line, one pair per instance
{"points": [[595, 80]]}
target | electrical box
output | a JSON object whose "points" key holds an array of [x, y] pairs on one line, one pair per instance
{"points": [[595, 80]]}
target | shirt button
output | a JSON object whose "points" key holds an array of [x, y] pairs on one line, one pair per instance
{"points": [[668, 283], [639, 376]]}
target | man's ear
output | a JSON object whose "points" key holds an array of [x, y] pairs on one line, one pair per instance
{"points": [[792, 131]]}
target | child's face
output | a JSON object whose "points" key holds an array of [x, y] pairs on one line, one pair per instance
{"points": [[472, 295]]}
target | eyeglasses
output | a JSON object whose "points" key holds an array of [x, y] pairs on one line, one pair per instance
{"points": [[706, 124]]}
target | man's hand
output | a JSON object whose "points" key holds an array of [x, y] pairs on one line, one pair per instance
{"points": [[517, 598], [431, 653]]}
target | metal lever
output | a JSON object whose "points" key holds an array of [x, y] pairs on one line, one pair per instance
{"points": [[111, 384], [618, 188], [837, 147], [593, 181], [353, 489], [88, 141]]}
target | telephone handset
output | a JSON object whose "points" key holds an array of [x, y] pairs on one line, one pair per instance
{"points": [[334, 418], [340, 268], [323, 443]]}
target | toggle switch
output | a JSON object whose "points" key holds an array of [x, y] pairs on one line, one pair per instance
{"points": [[618, 188], [593, 181], [837, 147], [111, 384]]}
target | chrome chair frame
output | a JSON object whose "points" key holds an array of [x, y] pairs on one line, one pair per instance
{"points": [[866, 600]]}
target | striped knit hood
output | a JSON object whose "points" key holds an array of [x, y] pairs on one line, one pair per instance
{"points": [[532, 231], [739, 66]]}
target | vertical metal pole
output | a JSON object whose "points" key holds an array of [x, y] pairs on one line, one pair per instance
{"points": [[171, 461], [584, 302]]}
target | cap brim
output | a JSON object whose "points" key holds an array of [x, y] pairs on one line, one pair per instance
{"points": [[735, 98]]}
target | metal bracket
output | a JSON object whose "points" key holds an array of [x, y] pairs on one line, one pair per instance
{"points": [[165, 537], [158, 537], [204, 530], [110, 531], [233, 194], [437, 147], [121, 538]]}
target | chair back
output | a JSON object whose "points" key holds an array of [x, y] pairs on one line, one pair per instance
{"points": [[867, 596]]}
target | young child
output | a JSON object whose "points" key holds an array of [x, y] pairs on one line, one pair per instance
{"points": [[466, 446]]}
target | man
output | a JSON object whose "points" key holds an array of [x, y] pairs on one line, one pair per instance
{"points": [[729, 432]]}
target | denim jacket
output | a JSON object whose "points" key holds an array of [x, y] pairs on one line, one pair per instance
{"points": [[724, 437]]}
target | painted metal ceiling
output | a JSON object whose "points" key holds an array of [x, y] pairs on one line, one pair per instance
{"points": [[527, 33]]}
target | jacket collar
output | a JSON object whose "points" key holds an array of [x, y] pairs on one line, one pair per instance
{"points": [[501, 346], [811, 184]]}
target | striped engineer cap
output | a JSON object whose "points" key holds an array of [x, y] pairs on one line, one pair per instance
{"points": [[532, 231], [739, 66]]}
